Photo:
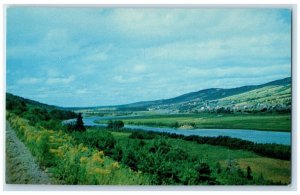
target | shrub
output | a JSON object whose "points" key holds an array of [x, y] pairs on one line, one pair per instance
{"points": [[102, 140], [115, 124]]}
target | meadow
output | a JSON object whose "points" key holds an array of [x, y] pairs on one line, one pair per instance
{"points": [[167, 160], [267, 122]]}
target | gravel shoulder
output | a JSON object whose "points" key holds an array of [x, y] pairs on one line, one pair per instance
{"points": [[20, 165]]}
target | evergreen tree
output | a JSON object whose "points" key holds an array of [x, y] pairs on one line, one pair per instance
{"points": [[249, 173], [79, 124]]}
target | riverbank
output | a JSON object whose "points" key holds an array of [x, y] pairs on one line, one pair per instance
{"points": [[256, 136], [262, 122]]}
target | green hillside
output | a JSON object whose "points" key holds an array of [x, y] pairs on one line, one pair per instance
{"points": [[270, 97], [274, 96], [211, 94], [36, 112], [264, 97]]}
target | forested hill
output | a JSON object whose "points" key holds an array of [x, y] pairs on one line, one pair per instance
{"points": [[35, 111], [10, 98]]}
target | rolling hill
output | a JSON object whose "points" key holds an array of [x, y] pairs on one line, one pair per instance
{"points": [[275, 95], [272, 95]]}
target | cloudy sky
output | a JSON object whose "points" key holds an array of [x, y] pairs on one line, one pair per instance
{"points": [[94, 56]]}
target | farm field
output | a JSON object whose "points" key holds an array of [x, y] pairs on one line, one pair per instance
{"points": [[268, 122]]}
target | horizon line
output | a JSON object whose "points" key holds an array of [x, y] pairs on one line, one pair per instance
{"points": [[76, 107]]}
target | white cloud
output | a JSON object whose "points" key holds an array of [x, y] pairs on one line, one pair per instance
{"points": [[247, 71], [139, 68], [82, 91], [239, 47], [29, 81], [60, 80], [125, 79]]}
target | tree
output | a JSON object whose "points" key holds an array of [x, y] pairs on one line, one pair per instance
{"points": [[115, 124], [79, 124], [218, 167], [204, 172], [249, 173]]}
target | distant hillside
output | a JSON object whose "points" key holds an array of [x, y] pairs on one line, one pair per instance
{"points": [[215, 98], [275, 95]]}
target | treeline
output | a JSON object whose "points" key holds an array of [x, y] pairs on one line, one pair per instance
{"points": [[278, 151], [37, 113]]}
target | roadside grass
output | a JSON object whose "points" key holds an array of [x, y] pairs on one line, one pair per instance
{"points": [[20, 166], [71, 163]]}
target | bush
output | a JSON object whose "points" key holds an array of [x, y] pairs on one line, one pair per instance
{"points": [[102, 140], [115, 124], [142, 135]]}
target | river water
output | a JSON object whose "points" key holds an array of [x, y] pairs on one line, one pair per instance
{"points": [[250, 135]]}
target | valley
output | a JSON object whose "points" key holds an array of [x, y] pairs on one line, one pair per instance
{"points": [[162, 142]]}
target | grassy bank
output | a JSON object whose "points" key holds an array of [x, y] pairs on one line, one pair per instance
{"points": [[68, 162], [267, 122]]}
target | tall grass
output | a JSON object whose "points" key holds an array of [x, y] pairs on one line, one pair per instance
{"points": [[69, 163]]}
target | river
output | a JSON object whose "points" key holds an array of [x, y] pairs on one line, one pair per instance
{"points": [[250, 135]]}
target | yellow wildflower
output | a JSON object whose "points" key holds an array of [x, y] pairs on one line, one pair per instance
{"points": [[101, 171], [84, 149], [101, 153], [115, 165], [83, 159]]}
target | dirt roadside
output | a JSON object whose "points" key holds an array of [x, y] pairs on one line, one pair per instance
{"points": [[20, 165]]}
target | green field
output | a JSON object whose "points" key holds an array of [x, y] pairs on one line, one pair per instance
{"points": [[271, 169], [269, 122]]}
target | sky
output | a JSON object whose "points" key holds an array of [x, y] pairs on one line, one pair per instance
{"points": [[110, 56]]}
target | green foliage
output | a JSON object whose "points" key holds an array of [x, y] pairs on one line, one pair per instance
{"points": [[142, 135], [271, 150], [68, 162], [218, 167], [102, 140], [117, 153], [164, 163], [15, 105], [36, 113], [115, 124], [204, 174]]}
